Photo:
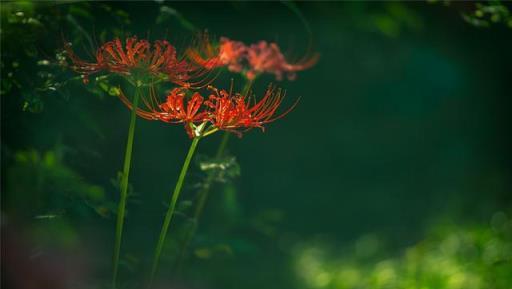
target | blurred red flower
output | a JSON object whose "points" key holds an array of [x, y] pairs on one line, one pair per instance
{"points": [[261, 57]]}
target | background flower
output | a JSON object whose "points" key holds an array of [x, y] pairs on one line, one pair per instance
{"points": [[250, 60]]}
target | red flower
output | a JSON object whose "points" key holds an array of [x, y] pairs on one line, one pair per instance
{"points": [[175, 110], [139, 59], [265, 57], [252, 60], [228, 53], [238, 112], [231, 54], [222, 110]]}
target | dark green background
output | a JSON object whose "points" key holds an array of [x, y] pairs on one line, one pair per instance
{"points": [[404, 121]]}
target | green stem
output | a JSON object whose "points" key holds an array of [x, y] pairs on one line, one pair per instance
{"points": [[202, 197], [247, 86], [223, 145], [205, 190], [124, 188], [170, 210]]}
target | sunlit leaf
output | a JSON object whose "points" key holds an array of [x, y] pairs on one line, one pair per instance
{"points": [[221, 169], [167, 13]]}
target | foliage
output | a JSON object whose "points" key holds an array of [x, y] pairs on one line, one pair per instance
{"points": [[57, 189], [383, 115], [483, 13], [450, 257], [393, 19], [223, 169], [486, 14], [36, 68]]}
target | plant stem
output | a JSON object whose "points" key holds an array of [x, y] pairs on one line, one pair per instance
{"points": [[223, 144], [247, 86], [170, 210], [204, 192], [124, 188], [202, 197]]}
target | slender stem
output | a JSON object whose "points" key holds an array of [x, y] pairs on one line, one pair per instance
{"points": [[205, 190], [170, 210], [247, 86], [223, 144], [202, 197], [124, 188]]}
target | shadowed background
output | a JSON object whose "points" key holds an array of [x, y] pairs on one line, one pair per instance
{"points": [[400, 143]]}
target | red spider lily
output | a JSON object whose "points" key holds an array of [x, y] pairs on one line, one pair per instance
{"points": [[262, 57], [235, 112], [222, 110], [265, 57], [138, 58], [174, 110], [229, 53]]}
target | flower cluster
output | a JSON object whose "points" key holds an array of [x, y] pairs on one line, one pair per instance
{"points": [[221, 110], [143, 62], [250, 60], [138, 59]]}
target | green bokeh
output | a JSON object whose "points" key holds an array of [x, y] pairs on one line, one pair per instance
{"points": [[400, 144]]}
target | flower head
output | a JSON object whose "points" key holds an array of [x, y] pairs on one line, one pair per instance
{"points": [[228, 53], [137, 59], [222, 110], [261, 57], [177, 108], [240, 112], [264, 57]]}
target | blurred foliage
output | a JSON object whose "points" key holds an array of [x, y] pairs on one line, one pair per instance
{"points": [[393, 19], [482, 13], [22, 19], [57, 189], [486, 14], [168, 14], [450, 257], [35, 65], [217, 179], [222, 169]]}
